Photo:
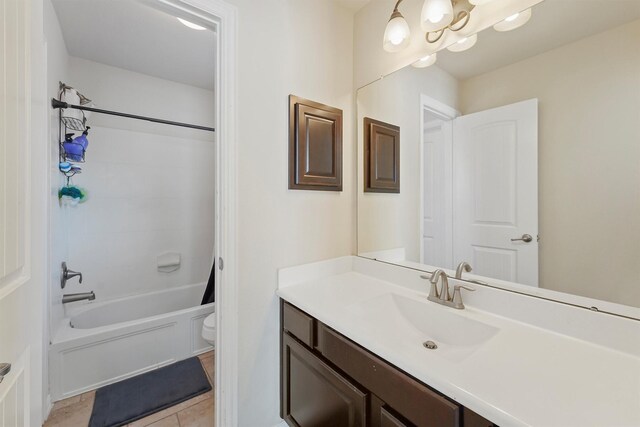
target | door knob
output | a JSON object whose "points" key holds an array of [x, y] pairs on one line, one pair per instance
{"points": [[525, 238], [5, 368]]}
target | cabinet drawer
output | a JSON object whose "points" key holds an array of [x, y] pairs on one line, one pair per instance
{"points": [[389, 419], [299, 324], [417, 403], [471, 419], [314, 394], [382, 415]]}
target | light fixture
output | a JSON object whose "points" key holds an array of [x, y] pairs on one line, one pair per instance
{"points": [[436, 14], [396, 35], [425, 61], [436, 18], [191, 25], [464, 44], [514, 21], [454, 15]]}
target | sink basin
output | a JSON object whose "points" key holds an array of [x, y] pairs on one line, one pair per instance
{"points": [[406, 321]]}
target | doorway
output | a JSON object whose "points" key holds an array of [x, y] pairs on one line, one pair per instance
{"points": [[28, 288]]}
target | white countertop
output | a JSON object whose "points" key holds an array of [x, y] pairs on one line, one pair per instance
{"points": [[524, 375]]}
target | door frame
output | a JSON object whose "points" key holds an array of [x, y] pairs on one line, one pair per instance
{"points": [[449, 113], [224, 17]]}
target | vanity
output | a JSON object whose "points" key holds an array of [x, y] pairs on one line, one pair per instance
{"points": [[509, 170], [330, 380], [354, 352]]}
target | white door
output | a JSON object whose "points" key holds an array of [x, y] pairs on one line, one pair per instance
{"points": [[20, 306], [496, 192], [436, 193]]}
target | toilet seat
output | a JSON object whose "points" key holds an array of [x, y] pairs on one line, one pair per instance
{"points": [[209, 329]]}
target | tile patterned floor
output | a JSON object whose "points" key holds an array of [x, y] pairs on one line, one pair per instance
{"points": [[197, 412]]}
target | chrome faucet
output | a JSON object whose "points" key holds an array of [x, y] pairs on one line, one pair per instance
{"points": [[462, 267], [68, 274], [89, 296], [442, 296]]}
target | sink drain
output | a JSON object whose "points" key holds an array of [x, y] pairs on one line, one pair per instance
{"points": [[430, 345]]}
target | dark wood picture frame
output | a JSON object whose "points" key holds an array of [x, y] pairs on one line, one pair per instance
{"points": [[381, 157], [315, 146]]}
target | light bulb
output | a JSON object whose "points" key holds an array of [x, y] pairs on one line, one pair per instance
{"points": [[464, 44], [512, 17], [436, 14], [191, 25], [425, 61], [436, 17], [396, 35], [514, 21]]}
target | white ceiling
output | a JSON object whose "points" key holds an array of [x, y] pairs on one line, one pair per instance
{"points": [[553, 23], [132, 35]]}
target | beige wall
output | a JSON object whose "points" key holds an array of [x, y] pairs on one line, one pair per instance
{"points": [[301, 47], [389, 221], [589, 157]]}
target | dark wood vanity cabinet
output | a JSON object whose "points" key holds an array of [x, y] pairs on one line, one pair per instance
{"points": [[328, 380], [316, 394]]}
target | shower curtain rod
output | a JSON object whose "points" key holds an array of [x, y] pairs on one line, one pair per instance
{"points": [[55, 103]]}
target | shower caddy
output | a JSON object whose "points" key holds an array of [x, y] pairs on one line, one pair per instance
{"points": [[76, 124], [70, 151]]}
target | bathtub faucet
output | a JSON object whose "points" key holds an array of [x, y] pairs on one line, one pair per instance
{"points": [[68, 274], [90, 296]]}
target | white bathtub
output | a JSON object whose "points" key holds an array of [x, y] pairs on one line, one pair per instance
{"points": [[103, 342]]}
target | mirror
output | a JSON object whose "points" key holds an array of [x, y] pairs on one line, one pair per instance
{"points": [[520, 156]]}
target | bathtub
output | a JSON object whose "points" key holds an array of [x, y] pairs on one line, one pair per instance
{"points": [[103, 342]]}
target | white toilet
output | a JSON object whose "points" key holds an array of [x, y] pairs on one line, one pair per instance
{"points": [[209, 329]]}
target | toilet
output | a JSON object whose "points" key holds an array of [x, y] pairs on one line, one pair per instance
{"points": [[209, 329]]}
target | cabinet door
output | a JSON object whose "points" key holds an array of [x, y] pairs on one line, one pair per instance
{"points": [[314, 394]]}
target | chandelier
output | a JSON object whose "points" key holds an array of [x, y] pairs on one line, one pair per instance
{"points": [[436, 18]]}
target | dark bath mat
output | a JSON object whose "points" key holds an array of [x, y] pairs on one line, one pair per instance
{"points": [[134, 398]]}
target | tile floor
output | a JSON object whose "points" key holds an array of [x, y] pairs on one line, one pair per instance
{"points": [[197, 412]]}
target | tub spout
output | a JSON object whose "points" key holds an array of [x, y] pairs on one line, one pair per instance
{"points": [[90, 296]]}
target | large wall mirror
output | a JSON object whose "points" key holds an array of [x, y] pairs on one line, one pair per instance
{"points": [[520, 156]]}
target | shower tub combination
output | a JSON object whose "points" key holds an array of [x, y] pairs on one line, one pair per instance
{"points": [[104, 342]]}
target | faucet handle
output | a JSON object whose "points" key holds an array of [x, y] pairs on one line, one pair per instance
{"points": [[68, 274], [433, 291], [457, 297]]}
